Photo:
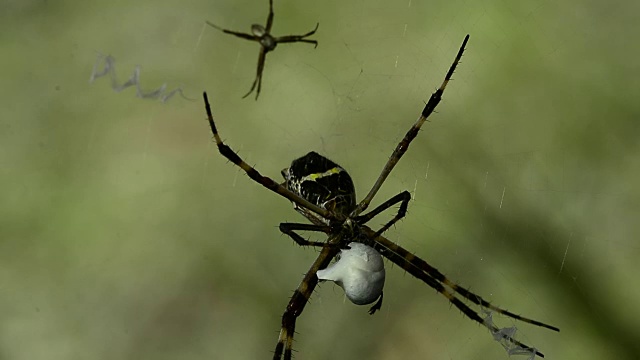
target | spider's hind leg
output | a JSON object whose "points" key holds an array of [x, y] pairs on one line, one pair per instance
{"points": [[421, 270], [284, 347]]}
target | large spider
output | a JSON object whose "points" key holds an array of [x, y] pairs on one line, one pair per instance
{"points": [[268, 42], [323, 192]]}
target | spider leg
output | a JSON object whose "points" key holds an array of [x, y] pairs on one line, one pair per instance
{"points": [[261, 59], [378, 305], [294, 38], [252, 87], [399, 215], [258, 80], [411, 134], [474, 298], [299, 38], [301, 297], [265, 181], [311, 32], [236, 33], [403, 197], [291, 228], [270, 17], [432, 277]]}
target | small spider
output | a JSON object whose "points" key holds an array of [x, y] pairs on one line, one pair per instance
{"points": [[268, 42]]}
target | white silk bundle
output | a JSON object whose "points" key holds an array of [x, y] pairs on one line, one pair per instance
{"points": [[359, 271]]}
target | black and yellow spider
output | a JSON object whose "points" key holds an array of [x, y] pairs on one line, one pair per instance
{"points": [[323, 192], [268, 42]]}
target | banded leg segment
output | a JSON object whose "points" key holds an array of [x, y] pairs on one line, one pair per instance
{"points": [[435, 279], [474, 298], [301, 297], [402, 147], [265, 181]]}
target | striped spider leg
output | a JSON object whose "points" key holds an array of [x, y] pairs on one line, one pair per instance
{"points": [[265, 181], [421, 270], [268, 42]]}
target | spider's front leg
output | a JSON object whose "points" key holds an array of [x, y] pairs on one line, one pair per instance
{"points": [[300, 298], [403, 145], [265, 181]]}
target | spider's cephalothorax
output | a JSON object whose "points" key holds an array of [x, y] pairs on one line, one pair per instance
{"points": [[324, 193], [266, 40], [322, 182]]}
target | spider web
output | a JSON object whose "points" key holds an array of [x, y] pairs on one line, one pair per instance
{"points": [[125, 235]]}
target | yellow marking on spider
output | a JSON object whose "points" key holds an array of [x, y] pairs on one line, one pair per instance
{"points": [[316, 176]]}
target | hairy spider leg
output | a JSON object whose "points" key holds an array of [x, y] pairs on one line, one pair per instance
{"points": [[436, 280], [301, 297], [403, 198], [402, 147], [291, 228], [265, 181], [440, 277]]}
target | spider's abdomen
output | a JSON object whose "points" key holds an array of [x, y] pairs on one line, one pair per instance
{"points": [[322, 182]]}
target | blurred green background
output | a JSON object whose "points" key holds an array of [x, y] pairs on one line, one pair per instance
{"points": [[125, 235]]}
